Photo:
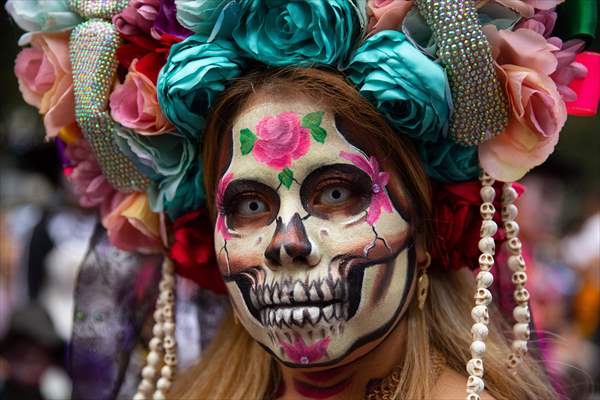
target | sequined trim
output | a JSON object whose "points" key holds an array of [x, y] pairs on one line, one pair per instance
{"points": [[480, 105], [92, 52]]}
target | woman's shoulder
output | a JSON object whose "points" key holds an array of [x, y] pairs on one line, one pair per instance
{"points": [[451, 386]]}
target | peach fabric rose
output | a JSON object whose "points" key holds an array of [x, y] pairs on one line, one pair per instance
{"points": [[526, 61], [131, 225], [44, 75], [386, 14], [134, 104], [538, 115]]}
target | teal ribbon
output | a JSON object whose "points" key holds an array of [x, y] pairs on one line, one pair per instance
{"points": [[577, 19]]}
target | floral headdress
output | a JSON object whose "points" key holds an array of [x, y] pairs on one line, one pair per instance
{"points": [[125, 86]]}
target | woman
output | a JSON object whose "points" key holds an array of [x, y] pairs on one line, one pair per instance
{"points": [[389, 345], [342, 141]]}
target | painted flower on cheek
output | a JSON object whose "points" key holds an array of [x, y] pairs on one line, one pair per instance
{"points": [[379, 197], [280, 140], [221, 226]]}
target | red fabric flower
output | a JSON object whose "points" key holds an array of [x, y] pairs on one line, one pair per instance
{"points": [[193, 251], [151, 53], [457, 223]]}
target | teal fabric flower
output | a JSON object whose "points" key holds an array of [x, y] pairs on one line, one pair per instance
{"points": [[447, 161], [297, 32], [172, 162], [41, 16], [404, 84], [195, 74], [212, 18]]}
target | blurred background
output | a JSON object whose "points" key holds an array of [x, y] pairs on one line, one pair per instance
{"points": [[44, 235]]}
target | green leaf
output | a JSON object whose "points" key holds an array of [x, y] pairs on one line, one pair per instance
{"points": [[247, 139], [286, 177], [313, 119], [318, 133]]}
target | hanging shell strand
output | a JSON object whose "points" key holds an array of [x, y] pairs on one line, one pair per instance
{"points": [[163, 347], [483, 297], [519, 277]]}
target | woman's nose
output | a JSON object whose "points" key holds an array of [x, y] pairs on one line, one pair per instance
{"points": [[290, 244]]}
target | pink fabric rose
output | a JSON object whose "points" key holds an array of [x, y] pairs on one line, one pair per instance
{"points": [[379, 197], [281, 139], [222, 186], [35, 75], [522, 47], [44, 75], [542, 22], [134, 104], [386, 14], [527, 7], [129, 222], [137, 18], [538, 115], [86, 177], [568, 69]]}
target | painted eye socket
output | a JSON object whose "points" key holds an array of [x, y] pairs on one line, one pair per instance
{"points": [[336, 190], [249, 204], [335, 195], [251, 207]]}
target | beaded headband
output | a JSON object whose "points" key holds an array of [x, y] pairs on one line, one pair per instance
{"points": [[455, 76]]}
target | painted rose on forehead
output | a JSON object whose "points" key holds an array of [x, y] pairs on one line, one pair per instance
{"points": [[281, 139]]}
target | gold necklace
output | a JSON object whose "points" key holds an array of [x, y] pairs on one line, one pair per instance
{"points": [[386, 389]]}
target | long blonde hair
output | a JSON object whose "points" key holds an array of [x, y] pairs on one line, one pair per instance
{"points": [[236, 367]]}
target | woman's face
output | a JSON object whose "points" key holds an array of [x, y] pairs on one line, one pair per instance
{"points": [[317, 257]]}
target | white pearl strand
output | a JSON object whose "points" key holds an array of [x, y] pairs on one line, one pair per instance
{"points": [[483, 297], [519, 277], [162, 345]]}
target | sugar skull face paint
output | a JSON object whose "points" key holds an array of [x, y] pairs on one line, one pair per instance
{"points": [[317, 258]]}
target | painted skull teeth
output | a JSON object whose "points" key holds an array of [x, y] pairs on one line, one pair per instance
{"points": [[298, 303], [301, 316], [295, 292]]}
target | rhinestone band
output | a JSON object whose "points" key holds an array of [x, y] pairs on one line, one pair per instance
{"points": [[92, 52], [104, 9], [480, 105]]}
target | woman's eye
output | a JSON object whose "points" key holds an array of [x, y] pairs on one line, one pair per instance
{"points": [[334, 195], [252, 207]]}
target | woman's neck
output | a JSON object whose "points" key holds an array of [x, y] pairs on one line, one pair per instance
{"points": [[349, 381]]}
